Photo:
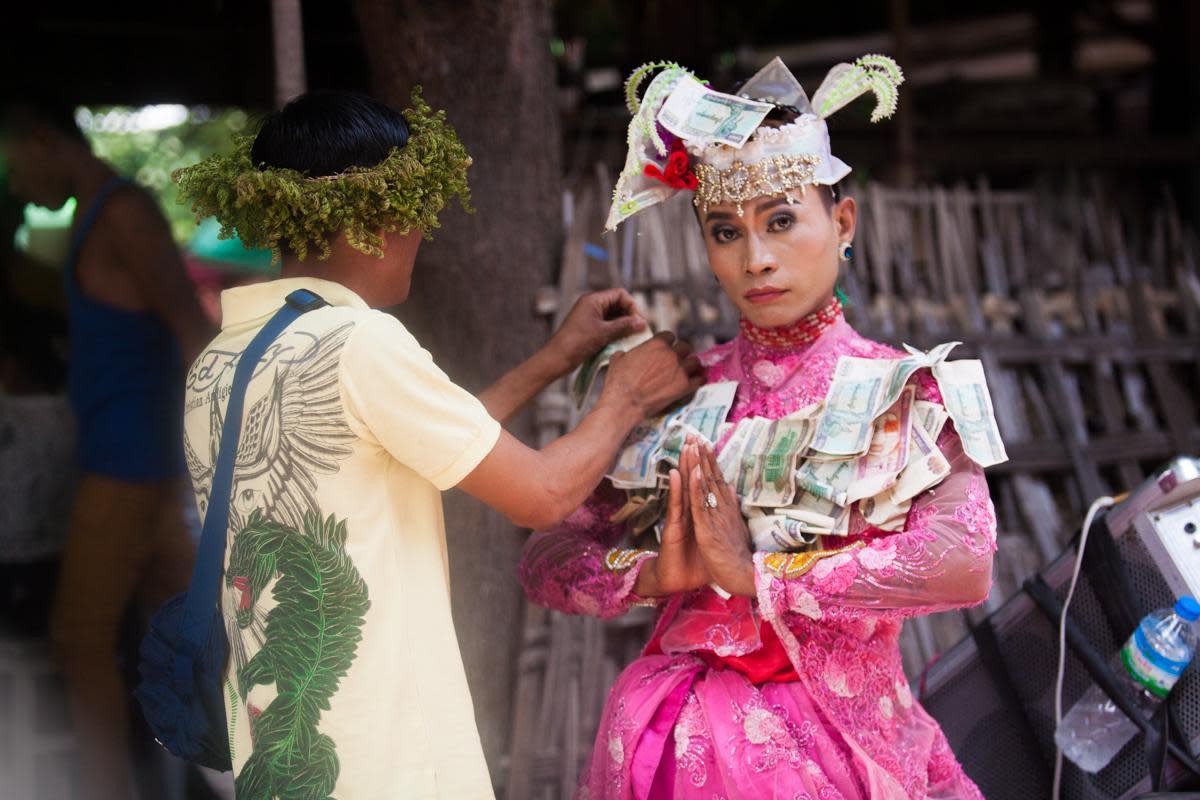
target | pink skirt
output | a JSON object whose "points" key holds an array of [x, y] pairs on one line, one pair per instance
{"points": [[674, 729]]}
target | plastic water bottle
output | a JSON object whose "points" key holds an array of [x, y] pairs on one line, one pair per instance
{"points": [[1149, 664]]}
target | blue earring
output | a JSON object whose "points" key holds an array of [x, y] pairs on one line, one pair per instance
{"points": [[846, 251]]}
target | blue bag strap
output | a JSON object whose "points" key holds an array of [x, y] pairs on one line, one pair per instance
{"points": [[206, 574]]}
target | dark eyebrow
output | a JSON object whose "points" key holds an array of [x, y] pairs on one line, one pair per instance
{"points": [[718, 215], [767, 205]]}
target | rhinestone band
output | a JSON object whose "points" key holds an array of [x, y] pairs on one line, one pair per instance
{"points": [[741, 182]]}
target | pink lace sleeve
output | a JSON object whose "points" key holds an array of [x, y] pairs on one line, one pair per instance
{"points": [[579, 567], [941, 560]]}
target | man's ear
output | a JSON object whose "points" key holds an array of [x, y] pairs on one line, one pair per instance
{"points": [[845, 217]]}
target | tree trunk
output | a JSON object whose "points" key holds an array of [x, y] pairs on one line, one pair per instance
{"points": [[287, 35], [488, 65]]}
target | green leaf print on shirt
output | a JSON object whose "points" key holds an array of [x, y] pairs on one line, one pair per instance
{"points": [[311, 637]]}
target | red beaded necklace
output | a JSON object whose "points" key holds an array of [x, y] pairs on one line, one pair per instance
{"points": [[803, 331]]}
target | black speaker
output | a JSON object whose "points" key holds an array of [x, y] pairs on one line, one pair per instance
{"points": [[993, 692]]}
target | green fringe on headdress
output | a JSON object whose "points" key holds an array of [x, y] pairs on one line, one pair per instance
{"points": [[268, 206]]}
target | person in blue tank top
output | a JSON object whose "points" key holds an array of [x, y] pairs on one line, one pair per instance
{"points": [[134, 322]]}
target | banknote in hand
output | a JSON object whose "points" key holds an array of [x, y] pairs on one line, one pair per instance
{"points": [[585, 377]]}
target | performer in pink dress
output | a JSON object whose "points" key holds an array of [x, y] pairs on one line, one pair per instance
{"points": [[792, 687]]}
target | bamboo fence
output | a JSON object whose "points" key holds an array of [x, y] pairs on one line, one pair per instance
{"points": [[1085, 313]]}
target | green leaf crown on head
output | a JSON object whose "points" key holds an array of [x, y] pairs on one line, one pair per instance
{"points": [[269, 206]]}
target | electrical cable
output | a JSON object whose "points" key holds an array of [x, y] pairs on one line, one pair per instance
{"points": [[1100, 502]]}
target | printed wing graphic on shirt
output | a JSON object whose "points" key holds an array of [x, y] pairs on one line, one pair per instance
{"points": [[294, 432], [294, 602], [310, 639]]}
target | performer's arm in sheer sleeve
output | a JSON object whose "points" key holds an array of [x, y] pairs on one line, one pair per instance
{"points": [[941, 560], [578, 566]]}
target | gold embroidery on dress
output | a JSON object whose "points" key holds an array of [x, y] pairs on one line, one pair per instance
{"points": [[620, 559], [793, 565]]}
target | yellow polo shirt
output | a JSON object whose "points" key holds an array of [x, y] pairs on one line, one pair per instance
{"points": [[345, 674]]}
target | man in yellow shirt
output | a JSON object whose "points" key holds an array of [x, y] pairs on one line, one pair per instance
{"points": [[344, 674]]}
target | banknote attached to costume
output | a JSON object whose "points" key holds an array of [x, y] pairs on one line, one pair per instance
{"points": [[858, 468]]}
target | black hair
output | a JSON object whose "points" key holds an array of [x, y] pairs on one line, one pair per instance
{"points": [[23, 111], [781, 115], [326, 132]]}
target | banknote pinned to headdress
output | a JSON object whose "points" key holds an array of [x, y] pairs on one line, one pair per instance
{"points": [[685, 136]]}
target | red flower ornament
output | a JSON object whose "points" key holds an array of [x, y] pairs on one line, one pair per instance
{"points": [[678, 173]]}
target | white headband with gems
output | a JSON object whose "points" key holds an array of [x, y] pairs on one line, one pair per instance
{"points": [[743, 180], [774, 160]]}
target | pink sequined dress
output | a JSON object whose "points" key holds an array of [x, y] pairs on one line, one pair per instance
{"points": [[841, 722]]}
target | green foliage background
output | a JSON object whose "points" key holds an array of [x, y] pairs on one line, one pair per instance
{"points": [[150, 156]]}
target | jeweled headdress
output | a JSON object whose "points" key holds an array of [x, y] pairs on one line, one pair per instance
{"points": [[685, 136]]}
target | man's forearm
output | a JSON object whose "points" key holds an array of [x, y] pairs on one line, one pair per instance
{"points": [[518, 386], [539, 488], [572, 466]]}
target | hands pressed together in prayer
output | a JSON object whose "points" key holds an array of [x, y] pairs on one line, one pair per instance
{"points": [[702, 543], [705, 539]]}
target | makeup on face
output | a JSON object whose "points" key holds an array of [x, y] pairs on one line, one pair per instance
{"points": [[777, 261]]}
